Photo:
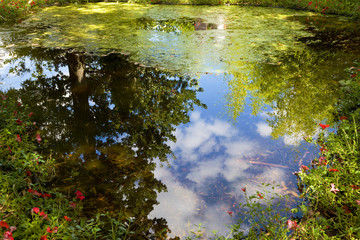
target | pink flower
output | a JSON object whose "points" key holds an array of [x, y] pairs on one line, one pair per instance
{"points": [[292, 225], [35, 210], [12, 228], [333, 189], [230, 212], [38, 138], [357, 202], [323, 126]]}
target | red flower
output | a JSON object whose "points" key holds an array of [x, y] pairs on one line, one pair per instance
{"points": [[304, 167], [72, 205], [230, 212], [323, 126], [67, 218], [333, 170], [43, 237], [8, 236], [9, 149], [354, 75], [80, 197], [260, 196], [52, 231], [243, 189], [30, 114], [38, 138], [4, 224], [323, 149], [19, 121], [292, 225], [36, 193], [46, 195], [355, 187], [346, 209], [78, 193], [18, 138], [322, 160], [35, 210], [15, 113], [343, 118], [310, 3], [18, 103]]}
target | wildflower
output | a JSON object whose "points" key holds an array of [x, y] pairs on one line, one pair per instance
{"points": [[333, 170], [44, 237], [323, 126], [304, 167], [322, 160], [38, 138], [260, 196], [19, 121], [42, 214], [4, 224], [310, 3], [79, 195], [46, 195], [243, 189], [343, 118], [355, 187], [72, 205], [333, 189], [35, 210], [230, 212], [67, 218], [354, 75], [12, 228], [30, 114], [28, 173], [357, 202], [52, 231], [346, 209], [18, 138], [292, 225], [323, 149], [9, 149], [15, 113], [8, 236], [18, 103]]}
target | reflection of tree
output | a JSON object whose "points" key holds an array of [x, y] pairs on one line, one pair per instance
{"points": [[107, 121], [176, 26], [301, 88]]}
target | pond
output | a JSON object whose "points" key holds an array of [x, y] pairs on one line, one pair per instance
{"points": [[163, 113]]}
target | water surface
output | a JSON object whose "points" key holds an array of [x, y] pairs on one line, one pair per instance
{"points": [[222, 95]]}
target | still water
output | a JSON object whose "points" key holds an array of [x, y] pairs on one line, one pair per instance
{"points": [[163, 113]]}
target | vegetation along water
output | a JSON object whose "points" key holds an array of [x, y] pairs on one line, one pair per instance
{"points": [[179, 119]]}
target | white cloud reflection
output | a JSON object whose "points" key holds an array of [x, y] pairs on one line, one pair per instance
{"points": [[221, 163]]}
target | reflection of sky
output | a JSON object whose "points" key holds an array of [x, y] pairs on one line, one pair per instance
{"points": [[215, 158]]}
